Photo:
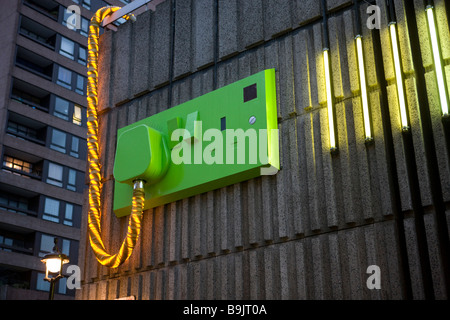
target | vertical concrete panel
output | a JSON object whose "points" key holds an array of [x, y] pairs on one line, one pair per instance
{"points": [[438, 134], [251, 26], [121, 64], [302, 83], [228, 28], [196, 226], [161, 35], [174, 231], [277, 17], [203, 33], [255, 284], [398, 146], [328, 172], [442, 23], [335, 4], [336, 257], [437, 273], [211, 221], [414, 259], [159, 235], [403, 37], [283, 180], [236, 208], [185, 229], [146, 238], [305, 11], [417, 135], [104, 71], [378, 162], [238, 276], [141, 54], [300, 270], [183, 49]]}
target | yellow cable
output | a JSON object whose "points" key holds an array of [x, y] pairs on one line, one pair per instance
{"points": [[95, 185]]}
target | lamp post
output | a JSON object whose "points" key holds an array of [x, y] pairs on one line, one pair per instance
{"points": [[53, 264]]}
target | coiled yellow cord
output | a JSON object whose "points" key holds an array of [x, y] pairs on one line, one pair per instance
{"points": [[95, 185]]}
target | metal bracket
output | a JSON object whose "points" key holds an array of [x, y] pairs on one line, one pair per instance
{"points": [[130, 8]]}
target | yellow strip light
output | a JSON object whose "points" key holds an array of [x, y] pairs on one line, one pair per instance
{"points": [[364, 97], [326, 64], [437, 61], [95, 184], [399, 77]]}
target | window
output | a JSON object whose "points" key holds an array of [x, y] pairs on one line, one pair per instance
{"points": [[74, 147], [72, 180], [51, 210], [41, 284], [87, 4], [47, 244], [55, 174], [80, 85], [20, 130], [64, 78], [58, 141], [77, 115], [60, 212], [13, 203], [65, 249], [84, 27], [17, 164], [61, 108], [67, 48], [82, 55], [62, 285], [68, 215]]}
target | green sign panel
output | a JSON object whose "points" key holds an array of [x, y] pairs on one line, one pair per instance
{"points": [[221, 138]]}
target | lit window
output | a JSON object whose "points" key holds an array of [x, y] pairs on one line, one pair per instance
{"points": [[55, 174], [77, 115], [17, 164], [67, 48], [61, 108], [51, 210], [58, 142], [64, 78]]}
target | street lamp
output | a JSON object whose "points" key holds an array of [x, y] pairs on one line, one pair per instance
{"points": [[53, 264]]}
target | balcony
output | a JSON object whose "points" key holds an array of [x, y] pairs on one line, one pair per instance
{"points": [[47, 7], [30, 95], [37, 32], [16, 200], [34, 63], [22, 164], [25, 128]]}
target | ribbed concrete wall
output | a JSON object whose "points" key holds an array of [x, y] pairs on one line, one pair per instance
{"points": [[311, 231]]}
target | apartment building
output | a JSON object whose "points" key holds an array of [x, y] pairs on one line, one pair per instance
{"points": [[42, 138]]}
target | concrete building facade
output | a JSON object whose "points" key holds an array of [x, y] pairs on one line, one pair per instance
{"points": [[42, 139], [320, 227]]}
